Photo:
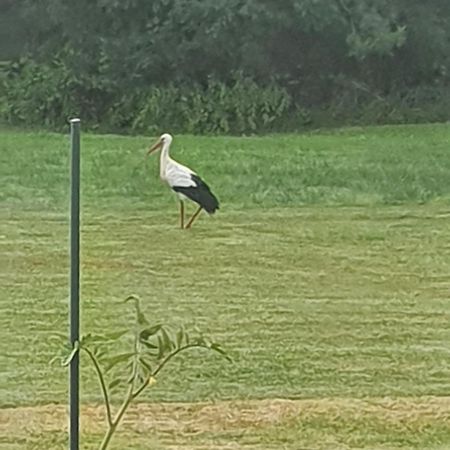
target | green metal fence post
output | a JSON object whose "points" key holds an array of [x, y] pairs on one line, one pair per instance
{"points": [[74, 282]]}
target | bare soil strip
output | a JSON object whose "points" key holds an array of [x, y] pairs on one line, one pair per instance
{"points": [[227, 416]]}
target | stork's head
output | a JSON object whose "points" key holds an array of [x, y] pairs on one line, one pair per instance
{"points": [[164, 141]]}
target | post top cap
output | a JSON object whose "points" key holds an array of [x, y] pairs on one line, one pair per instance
{"points": [[74, 120]]}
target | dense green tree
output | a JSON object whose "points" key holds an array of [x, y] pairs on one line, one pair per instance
{"points": [[323, 52]]}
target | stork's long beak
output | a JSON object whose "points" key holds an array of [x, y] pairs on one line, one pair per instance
{"points": [[154, 147]]}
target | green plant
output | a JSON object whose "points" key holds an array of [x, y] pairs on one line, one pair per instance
{"points": [[49, 93], [153, 347], [238, 107]]}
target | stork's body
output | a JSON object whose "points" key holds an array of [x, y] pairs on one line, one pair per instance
{"points": [[184, 182]]}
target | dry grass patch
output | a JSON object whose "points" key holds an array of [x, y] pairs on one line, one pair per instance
{"points": [[256, 424]]}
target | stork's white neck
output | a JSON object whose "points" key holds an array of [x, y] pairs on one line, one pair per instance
{"points": [[164, 159]]}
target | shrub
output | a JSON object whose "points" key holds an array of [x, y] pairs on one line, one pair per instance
{"points": [[240, 107], [356, 103], [37, 94]]}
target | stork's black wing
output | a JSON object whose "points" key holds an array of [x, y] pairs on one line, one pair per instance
{"points": [[200, 193]]}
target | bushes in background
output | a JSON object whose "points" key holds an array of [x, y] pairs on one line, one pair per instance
{"points": [[36, 94], [239, 107]]}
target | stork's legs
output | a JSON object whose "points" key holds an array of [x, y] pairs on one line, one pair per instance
{"points": [[182, 214], [189, 224]]}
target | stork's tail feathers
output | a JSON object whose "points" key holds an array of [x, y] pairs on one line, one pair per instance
{"points": [[200, 194], [211, 205]]}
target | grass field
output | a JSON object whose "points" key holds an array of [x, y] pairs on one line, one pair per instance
{"points": [[326, 275]]}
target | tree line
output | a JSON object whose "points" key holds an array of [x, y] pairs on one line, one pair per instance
{"points": [[224, 66]]}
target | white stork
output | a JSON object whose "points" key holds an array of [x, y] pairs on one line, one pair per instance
{"points": [[185, 182]]}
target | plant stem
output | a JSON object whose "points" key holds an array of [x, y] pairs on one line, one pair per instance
{"points": [[132, 395], [102, 384], [171, 355], [107, 437], [113, 425], [128, 399]]}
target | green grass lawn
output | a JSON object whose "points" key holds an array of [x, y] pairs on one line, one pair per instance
{"points": [[325, 275]]}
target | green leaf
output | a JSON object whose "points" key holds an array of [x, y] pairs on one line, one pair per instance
{"points": [[129, 364], [141, 320], [140, 378], [145, 364], [140, 317], [74, 351], [217, 348], [115, 335], [160, 347], [86, 339], [114, 383], [181, 335], [167, 341], [101, 338], [117, 359], [150, 331], [99, 352], [149, 345], [131, 378]]}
